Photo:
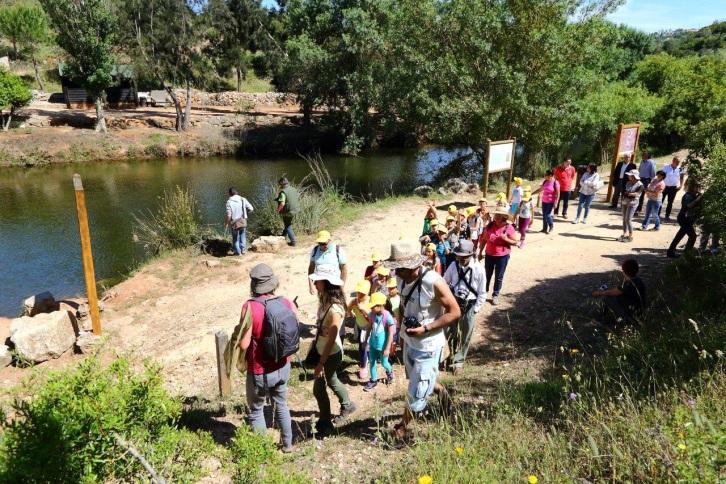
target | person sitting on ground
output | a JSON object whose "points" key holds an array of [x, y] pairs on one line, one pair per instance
{"points": [[236, 211], [378, 283], [500, 236], [358, 308], [631, 195], [589, 185], [550, 189], [376, 262], [627, 300], [654, 193], [687, 217], [265, 376], [327, 253], [525, 214], [432, 258], [381, 329]]}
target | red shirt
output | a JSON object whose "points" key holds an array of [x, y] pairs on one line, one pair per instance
{"points": [[495, 245], [256, 361], [565, 177]]}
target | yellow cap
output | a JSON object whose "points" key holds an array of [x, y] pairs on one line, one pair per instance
{"points": [[518, 180], [392, 282], [323, 237], [376, 256], [501, 196], [470, 211], [363, 287], [383, 271], [452, 208], [433, 222], [450, 218], [431, 246], [378, 299]]}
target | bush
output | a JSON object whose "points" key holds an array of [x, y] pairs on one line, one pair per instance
{"points": [[67, 431], [251, 452]]}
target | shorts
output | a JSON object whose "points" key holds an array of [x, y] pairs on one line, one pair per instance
{"points": [[514, 208], [422, 369]]}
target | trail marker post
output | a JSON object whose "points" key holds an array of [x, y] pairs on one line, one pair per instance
{"points": [[500, 157], [87, 254], [220, 341]]}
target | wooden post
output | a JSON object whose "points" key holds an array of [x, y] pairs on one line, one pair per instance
{"points": [[220, 340], [511, 170], [485, 185], [87, 254]]}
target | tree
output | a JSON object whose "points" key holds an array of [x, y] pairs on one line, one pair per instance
{"points": [[13, 95], [26, 26], [86, 31]]}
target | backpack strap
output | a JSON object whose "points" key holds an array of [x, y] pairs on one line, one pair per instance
{"points": [[416, 285], [462, 277]]}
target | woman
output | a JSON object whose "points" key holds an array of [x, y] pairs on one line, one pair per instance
{"points": [[499, 237], [589, 185], [631, 195], [331, 311], [432, 259], [550, 194]]}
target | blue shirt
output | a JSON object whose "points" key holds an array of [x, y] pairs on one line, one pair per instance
{"points": [[333, 256], [379, 326], [647, 169]]}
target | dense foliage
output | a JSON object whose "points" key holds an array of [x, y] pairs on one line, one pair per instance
{"points": [[708, 40], [27, 28], [13, 94]]}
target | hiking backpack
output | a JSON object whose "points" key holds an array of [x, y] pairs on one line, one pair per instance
{"points": [[280, 330]]}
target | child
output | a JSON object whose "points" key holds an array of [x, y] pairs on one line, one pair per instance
{"points": [[432, 259], [379, 280], [516, 198], [525, 211], [359, 308], [484, 211], [381, 328], [392, 306], [443, 248], [453, 231], [501, 199], [477, 227], [376, 262], [429, 235], [429, 217]]}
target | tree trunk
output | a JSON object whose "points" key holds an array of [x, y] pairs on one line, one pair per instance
{"points": [[37, 73], [177, 107], [15, 50], [187, 108], [239, 79], [100, 116], [6, 121]]}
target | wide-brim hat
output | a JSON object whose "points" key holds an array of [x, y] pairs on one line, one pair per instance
{"points": [[502, 210], [327, 272], [404, 255], [634, 173], [264, 281], [464, 249]]}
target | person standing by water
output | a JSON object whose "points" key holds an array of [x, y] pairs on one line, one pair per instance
{"points": [[500, 237], [550, 194], [288, 204], [646, 170], [619, 178], [674, 175], [631, 194], [564, 174], [654, 192], [589, 185], [236, 211], [687, 218]]}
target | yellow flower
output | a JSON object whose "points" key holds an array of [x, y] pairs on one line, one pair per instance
{"points": [[574, 351], [532, 479], [459, 450], [682, 446], [425, 479]]}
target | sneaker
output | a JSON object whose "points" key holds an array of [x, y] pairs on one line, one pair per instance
{"points": [[362, 374], [576, 221], [644, 229], [584, 221], [369, 386], [552, 229], [564, 216], [495, 300], [657, 228], [287, 450], [345, 412], [544, 231], [389, 377]]}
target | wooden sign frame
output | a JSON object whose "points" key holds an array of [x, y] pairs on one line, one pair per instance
{"points": [[621, 127], [487, 171]]}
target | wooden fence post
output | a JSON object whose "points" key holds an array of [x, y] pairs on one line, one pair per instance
{"points": [[220, 341], [87, 254]]}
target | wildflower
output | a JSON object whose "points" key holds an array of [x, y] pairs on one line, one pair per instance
{"points": [[574, 351], [425, 479], [691, 402], [695, 325], [573, 396], [532, 479], [459, 450], [682, 446], [719, 353], [565, 376]]}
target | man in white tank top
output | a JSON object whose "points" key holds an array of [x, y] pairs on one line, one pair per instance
{"points": [[427, 307]]}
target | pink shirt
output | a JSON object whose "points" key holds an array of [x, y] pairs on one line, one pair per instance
{"points": [[495, 245], [549, 191]]}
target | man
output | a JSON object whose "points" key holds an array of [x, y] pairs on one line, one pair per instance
{"points": [[329, 254], [647, 173], [565, 173], [467, 281], [427, 307], [687, 218], [288, 204], [673, 183], [237, 209], [627, 300], [619, 178]]}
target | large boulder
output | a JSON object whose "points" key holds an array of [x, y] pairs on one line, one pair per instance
{"points": [[42, 337], [423, 191], [5, 356], [269, 243], [473, 189], [40, 303], [456, 186]]}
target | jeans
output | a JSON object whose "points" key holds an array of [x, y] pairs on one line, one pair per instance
{"points": [[330, 379], [274, 384], [652, 208], [686, 228], [547, 218], [706, 233], [497, 265], [239, 241], [584, 203], [460, 335], [645, 182], [628, 211], [618, 187], [374, 356], [287, 230], [669, 194], [422, 368], [564, 200]]}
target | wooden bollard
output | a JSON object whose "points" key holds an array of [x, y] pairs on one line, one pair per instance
{"points": [[225, 386], [87, 254]]}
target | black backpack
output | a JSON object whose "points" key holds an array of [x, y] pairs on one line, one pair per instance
{"points": [[280, 330]]}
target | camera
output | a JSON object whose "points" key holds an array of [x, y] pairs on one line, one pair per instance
{"points": [[461, 293], [411, 322]]}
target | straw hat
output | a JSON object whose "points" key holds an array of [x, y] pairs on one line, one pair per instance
{"points": [[378, 299], [363, 287], [327, 272], [502, 210], [404, 255]]}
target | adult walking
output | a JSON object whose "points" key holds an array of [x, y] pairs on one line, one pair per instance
{"points": [[331, 312], [500, 236], [237, 209], [687, 218], [646, 170], [631, 194], [619, 178], [288, 204], [266, 376], [674, 175], [550, 189], [564, 173], [654, 193], [466, 279], [327, 253], [590, 183], [427, 307]]}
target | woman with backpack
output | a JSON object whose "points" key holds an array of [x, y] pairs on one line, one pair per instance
{"points": [[266, 374], [329, 346]]}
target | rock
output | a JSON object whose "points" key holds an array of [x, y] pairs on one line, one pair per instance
{"points": [[5, 356], [269, 243], [456, 185], [40, 303], [87, 341], [211, 263], [5, 62], [473, 189], [423, 191], [42, 337], [442, 191]]}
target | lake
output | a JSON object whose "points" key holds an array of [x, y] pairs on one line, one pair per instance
{"points": [[39, 242]]}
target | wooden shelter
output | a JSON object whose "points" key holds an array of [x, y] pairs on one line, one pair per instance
{"points": [[121, 95]]}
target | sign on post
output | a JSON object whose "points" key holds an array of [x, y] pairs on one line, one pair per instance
{"points": [[87, 254], [626, 143], [500, 157]]}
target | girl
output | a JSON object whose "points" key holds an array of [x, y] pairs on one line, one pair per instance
{"points": [[631, 196], [477, 227], [443, 248], [484, 207], [516, 198], [589, 185], [432, 258], [392, 306], [359, 307], [524, 213], [378, 283], [376, 262], [381, 328], [550, 189]]}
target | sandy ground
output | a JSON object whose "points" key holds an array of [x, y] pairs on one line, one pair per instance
{"points": [[170, 310]]}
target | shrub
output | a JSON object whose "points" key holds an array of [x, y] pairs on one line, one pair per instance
{"points": [[251, 452]]}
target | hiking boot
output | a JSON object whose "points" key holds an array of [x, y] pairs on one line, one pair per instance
{"points": [[345, 412], [324, 428], [287, 450], [370, 386], [389, 377]]}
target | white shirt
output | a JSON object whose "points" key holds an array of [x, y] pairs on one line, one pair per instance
{"points": [[235, 203], [588, 181], [474, 274], [673, 175], [622, 170], [425, 307]]}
